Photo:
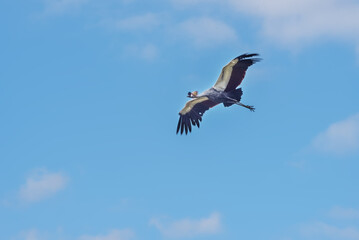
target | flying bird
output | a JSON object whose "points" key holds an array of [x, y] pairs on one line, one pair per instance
{"points": [[224, 91]]}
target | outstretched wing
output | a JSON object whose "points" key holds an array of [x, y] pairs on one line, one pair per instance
{"points": [[192, 113], [233, 73]]}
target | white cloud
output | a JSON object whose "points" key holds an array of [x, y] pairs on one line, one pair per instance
{"points": [[147, 51], [140, 22], [289, 23], [295, 22], [41, 184], [61, 6], [115, 234], [338, 228], [340, 138], [188, 227], [206, 32], [182, 3], [320, 230], [300, 164], [344, 213], [32, 234]]}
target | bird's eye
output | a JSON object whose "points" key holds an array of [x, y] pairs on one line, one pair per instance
{"points": [[189, 93]]}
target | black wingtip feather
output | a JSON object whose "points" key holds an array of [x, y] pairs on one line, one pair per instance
{"points": [[197, 122], [179, 124], [193, 117], [182, 126], [247, 55]]}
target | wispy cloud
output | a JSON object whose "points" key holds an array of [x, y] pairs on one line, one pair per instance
{"points": [[188, 227], [338, 227], [320, 230], [116, 234], [32, 234], [297, 22], [340, 138], [206, 32], [146, 52], [139, 22], [62, 6], [344, 213], [299, 164], [293, 23], [40, 185], [183, 3]]}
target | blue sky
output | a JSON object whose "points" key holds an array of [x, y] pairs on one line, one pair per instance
{"points": [[90, 94]]}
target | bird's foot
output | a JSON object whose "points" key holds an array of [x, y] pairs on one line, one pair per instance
{"points": [[250, 108], [246, 106]]}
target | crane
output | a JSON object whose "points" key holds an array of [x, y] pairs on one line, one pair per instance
{"points": [[224, 91]]}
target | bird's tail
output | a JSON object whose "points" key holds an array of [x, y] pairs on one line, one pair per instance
{"points": [[234, 94]]}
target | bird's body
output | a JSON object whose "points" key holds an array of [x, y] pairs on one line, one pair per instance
{"points": [[217, 96], [224, 91]]}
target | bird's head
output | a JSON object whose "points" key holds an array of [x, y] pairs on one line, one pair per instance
{"points": [[192, 94]]}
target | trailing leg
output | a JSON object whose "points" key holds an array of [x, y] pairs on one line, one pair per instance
{"points": [[246, 106], [241, 104]]}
